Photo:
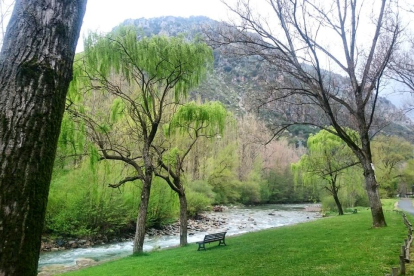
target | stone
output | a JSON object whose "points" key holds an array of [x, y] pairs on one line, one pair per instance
{"points": [[82, 262]]}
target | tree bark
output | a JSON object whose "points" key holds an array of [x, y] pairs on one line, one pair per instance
{"points": [[35, 70], [371, 186], [338, 203], [142, 218], [183, 218]]}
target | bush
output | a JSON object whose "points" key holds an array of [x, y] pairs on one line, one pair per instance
{"points": [[81, 204], [250, 192], [197, 202]]}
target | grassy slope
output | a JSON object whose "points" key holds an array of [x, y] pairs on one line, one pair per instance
{"points": [[332, 246]]}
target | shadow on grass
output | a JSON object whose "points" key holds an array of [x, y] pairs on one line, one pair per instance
{"points": [[143, 254], [212, 247]]}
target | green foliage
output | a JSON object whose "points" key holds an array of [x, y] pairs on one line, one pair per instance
{"points": [[72, 139], [197, 202], [117, 110], [251, 190], [81, 204], [280, 188], [163, 205], [171, 61], [209, 118], [390, 154], [328, 163], [409, 172], [222, 175], [200, 196]]}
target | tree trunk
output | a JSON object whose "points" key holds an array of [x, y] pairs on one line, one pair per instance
{"points": [[371, 186], [35, 70], [183, 218], [142, 218], [338, 203]]}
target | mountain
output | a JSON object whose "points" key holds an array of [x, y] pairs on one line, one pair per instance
{"points": [[234, 78]]}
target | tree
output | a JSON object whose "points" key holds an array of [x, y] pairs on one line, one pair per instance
{"points": [[294, 44], [194, 122], [328, 157], [402, 71], [390, 155], [142, 77], [35, 70], [408, 173]]}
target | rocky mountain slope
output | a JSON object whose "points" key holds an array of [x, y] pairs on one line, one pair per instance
{"points": [[234, 78]]}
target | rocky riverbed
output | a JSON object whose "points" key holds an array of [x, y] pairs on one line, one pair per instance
{"points": [[65, 255], [202, 223]]}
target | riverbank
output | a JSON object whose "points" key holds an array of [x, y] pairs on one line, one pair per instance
{"points": [[341, 245], [234, 221], [201, 223]]}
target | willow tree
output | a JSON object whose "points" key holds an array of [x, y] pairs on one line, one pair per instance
{"points": [[192, 122], [391, 154], [143, 77], [35, 70], [328, 157], [317, 81]]}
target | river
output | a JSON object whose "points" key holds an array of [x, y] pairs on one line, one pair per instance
{"points": [[235, 221]]}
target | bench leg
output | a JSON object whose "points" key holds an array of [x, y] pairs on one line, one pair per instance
{"points": [[222, 242], [201, 246]]}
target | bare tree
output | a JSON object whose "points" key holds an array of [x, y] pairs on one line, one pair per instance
{"points": [[6, 8], [325, 66], [35, 71], [402, 71]]}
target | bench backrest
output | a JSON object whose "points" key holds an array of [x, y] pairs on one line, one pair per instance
{"points": [[214, 237]]}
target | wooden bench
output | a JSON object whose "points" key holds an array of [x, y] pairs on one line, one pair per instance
{"points": [[220, 237]]}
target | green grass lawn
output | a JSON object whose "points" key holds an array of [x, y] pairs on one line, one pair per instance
{"points": [[339, 246]]}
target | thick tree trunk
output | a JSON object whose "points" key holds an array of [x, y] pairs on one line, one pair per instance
{"points": [[145, 196], [183, 218], [35, 71], [142, 218], [371, 186]]}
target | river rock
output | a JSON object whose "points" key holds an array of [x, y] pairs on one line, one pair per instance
{"points": [[81, 242], [82, 262], [218, 208]]}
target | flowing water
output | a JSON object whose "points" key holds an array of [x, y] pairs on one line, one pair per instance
{"points": [[234, 220]]}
